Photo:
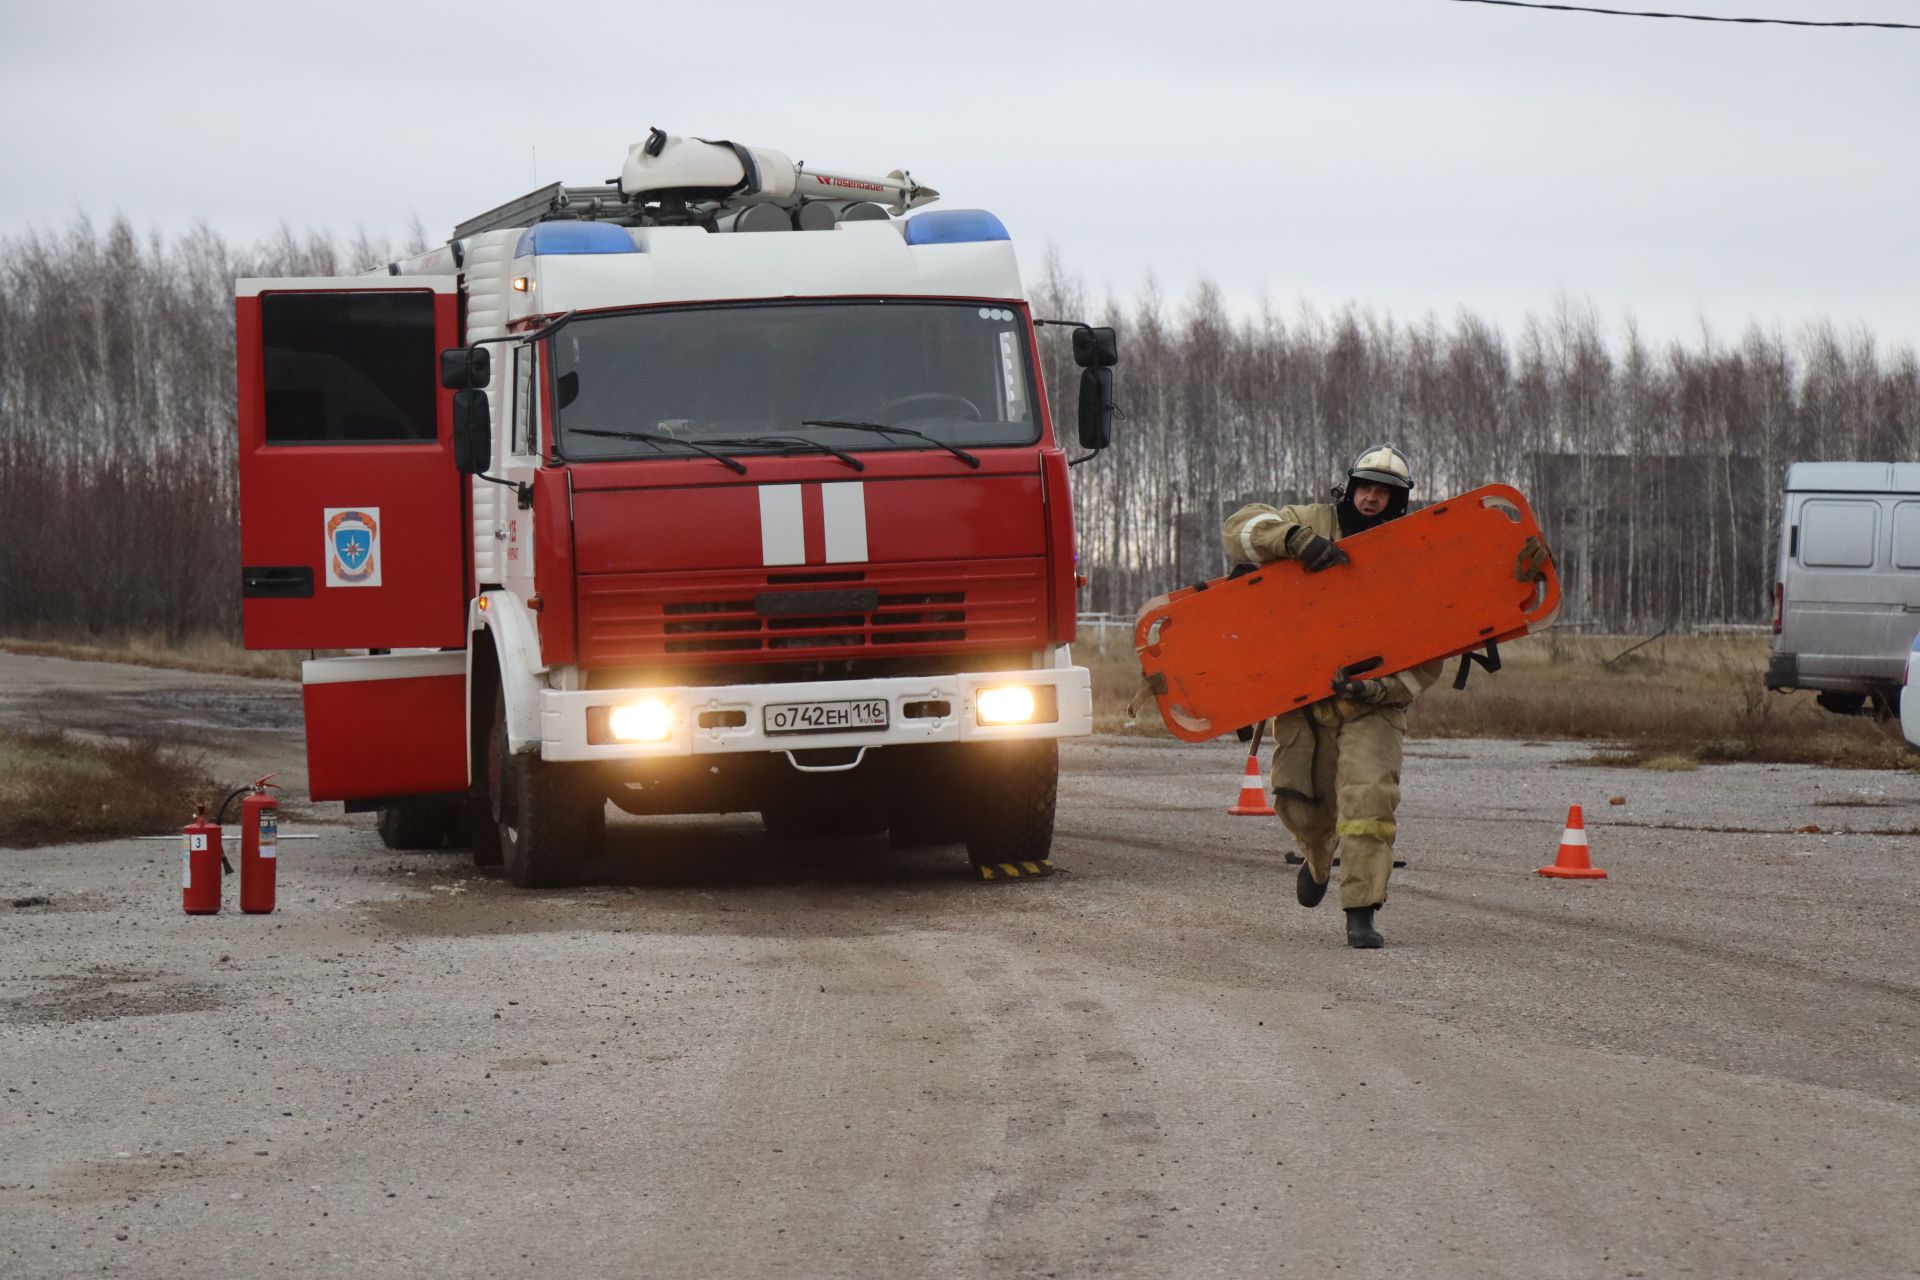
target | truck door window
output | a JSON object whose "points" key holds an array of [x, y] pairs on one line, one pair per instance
{"points": [[349, 368], [1906, 535], [524, 442], [1838, 534]]}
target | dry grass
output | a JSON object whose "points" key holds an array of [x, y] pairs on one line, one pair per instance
{"points": [[209, 654], [1679, 702], [55, 787]]}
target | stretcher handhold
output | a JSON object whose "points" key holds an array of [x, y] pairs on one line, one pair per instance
{"points": [[1446, 580]]}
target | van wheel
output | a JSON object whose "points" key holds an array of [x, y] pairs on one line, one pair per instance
{"points": [[549, 816], [1014, 789]]}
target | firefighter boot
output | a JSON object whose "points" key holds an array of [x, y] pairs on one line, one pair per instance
{"points": [[1360, 930], [1309, 890]]}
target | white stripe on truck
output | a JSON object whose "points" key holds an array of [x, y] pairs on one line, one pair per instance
{"points": [[845, 507], [783, 534]]}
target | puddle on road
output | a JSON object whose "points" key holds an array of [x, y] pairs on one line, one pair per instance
{"points": [[108, 994]]}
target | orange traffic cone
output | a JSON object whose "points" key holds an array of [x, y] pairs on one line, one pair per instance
{"points": [[1573, 863], [1253, 793]]}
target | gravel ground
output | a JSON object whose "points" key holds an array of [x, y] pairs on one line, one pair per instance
{"points": [[719, 1055]]}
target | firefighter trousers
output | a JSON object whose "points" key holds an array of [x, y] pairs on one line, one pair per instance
{"points": [[1336, 780]]}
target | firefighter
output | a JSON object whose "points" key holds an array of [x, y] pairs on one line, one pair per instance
{"points": [[1336, 763]]}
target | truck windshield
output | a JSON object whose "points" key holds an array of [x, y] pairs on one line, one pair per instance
{"points": [[955, 372]]}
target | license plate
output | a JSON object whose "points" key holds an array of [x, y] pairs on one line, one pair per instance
{"points": [[825, 717]]}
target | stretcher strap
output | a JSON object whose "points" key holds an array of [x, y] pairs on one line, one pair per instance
{"points": [[1490, 662]]}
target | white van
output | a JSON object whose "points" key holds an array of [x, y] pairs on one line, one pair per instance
{"points": [[1846, 605]]}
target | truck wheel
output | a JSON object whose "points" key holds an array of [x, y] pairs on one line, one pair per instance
{"points": [[1844, 704], [414, 824], [547, 818], [475, 830], [1014, 787]]}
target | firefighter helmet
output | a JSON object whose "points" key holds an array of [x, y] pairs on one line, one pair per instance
{"points": [[1382, 464]]}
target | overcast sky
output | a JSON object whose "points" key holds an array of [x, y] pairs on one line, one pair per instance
{"points": [[1412, 155]]}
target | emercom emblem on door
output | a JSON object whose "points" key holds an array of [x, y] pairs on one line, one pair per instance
{"points": [[353, 546]]}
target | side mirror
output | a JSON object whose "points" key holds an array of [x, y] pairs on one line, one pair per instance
{"points": [[472, 432], [465, 367], [1096, 408], [1095, 348]]}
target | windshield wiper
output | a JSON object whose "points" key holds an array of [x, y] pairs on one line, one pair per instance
{"points": [[657, 440], [885, 429], [789, 444]]}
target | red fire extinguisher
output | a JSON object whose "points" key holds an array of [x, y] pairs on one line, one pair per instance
{"points": [[200, 860], [259, 848]]}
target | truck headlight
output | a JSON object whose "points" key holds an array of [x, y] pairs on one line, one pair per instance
{"points": [[1013, 705], [648, 720]]}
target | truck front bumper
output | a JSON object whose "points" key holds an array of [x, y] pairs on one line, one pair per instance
{"points": [[730, 719]]}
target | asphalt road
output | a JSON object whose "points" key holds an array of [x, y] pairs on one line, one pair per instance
{"points": [[724, 1056]]}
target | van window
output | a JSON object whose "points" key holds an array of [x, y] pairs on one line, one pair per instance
{"points": [[1838, 535], [1906, 535]]}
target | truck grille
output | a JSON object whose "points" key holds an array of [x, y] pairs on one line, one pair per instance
{"points": [[883, 610]]}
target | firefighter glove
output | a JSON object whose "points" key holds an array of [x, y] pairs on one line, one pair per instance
{"points": [[1532, 560], [1319, 553], [1365, 692]]}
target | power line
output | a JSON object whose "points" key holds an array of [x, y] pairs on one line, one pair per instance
{"points": [[1691, 17]]}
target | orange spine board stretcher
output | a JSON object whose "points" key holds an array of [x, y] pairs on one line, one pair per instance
{"points": [[1433, 584]]}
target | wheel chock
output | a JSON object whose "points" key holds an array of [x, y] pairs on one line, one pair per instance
{"points": [[1014, 870]]}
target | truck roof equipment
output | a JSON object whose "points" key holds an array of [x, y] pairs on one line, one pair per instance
{"points": [[721, 185]]}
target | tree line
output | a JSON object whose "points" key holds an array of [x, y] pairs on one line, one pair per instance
{"points": [[117, 429], [1654, 467]]}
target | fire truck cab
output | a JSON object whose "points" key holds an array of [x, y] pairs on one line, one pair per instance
{"points": [[727, 486]]}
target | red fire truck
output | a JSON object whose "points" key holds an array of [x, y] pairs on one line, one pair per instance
{"points": [[728, 485]]}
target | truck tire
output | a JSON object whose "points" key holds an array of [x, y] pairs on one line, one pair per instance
{"points": [[415, 824], [548, 817], [1014, 786], [476, 831]]}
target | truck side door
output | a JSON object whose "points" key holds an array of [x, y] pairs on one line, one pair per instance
{"points": [[352, 516]]}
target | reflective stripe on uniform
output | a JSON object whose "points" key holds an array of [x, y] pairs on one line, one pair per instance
{"points": [[1246, 535], [1378, 828]]}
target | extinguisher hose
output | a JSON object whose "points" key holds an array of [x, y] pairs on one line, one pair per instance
{"points": [[220, 818]]}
